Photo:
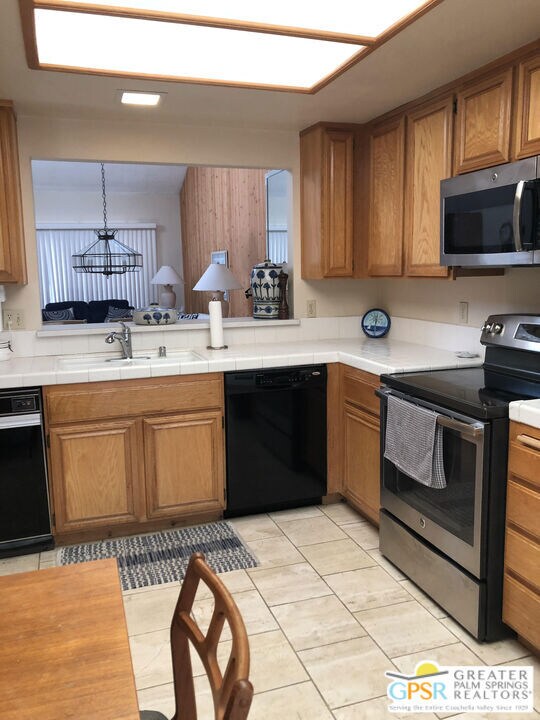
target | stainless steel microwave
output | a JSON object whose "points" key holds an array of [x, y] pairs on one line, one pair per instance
{"points": [[491, 218]]}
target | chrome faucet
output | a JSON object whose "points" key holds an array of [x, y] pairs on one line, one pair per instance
{"points": [[124, 338]]}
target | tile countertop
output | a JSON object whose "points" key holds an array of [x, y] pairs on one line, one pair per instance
{"points": [[374, 356], [526, 412]]}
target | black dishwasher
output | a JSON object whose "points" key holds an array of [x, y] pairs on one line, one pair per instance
{"points": [[276, 438]]}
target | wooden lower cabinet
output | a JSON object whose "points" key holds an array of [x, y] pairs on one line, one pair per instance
{"points": [[521, 588], [361, 470], [184, 463], [359, 461], [135, 452], [95, 474]]}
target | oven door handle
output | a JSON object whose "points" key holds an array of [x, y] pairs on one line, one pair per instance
{"points": [[12, 422], [472, 430]]}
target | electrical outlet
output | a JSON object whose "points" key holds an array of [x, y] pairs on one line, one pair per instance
{"points": [[311, 308], [13, 319], [464, 312]]}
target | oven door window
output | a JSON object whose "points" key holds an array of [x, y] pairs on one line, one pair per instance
{"points": [[453, 507]]}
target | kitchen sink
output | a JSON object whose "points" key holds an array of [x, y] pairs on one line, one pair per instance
{"points": [[78, 362]]}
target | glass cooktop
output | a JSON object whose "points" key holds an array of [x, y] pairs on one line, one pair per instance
{"points": [[471, 391]]}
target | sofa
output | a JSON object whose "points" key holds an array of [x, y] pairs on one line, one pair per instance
{"points": [[95, 311]]}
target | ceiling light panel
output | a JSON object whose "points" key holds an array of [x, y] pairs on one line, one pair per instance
{"points": [[139, 98], [178, 51], [362, 18]]}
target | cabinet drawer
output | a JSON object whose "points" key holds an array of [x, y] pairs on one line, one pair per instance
{"points": [[523, 508], [129, 398], [521, 610], [524, 457], [522, 556], [359, 389]]}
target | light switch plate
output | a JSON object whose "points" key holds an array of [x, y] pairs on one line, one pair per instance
{"points": [[464, 312]]}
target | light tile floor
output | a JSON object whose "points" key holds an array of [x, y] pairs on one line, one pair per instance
{"points": [[326, 615]]}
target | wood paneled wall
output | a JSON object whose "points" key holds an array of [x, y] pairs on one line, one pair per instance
{"points": [[222, 209]]}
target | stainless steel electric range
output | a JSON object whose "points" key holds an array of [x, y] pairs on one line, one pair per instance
{"points": [[450, 541]]}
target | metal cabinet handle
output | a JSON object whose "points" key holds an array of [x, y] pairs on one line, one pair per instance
{"points": [[529, 441], [517, 215]]}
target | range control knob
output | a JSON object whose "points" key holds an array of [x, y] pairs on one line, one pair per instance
{"points": [[487, 328], [496, 328]]}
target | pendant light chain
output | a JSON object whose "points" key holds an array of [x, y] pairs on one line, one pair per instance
{"points": [[104, 196]]}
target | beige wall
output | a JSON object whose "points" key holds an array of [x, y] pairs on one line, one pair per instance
{"points": [[55, 139], [517, 291]]}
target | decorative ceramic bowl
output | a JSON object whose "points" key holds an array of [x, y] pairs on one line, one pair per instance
{"points": [[155, 315]]}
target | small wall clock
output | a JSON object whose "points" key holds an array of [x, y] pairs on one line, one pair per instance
{"points": [[376, 323]]}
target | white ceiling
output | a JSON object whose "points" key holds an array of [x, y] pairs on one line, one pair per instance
{"points": [[119, 177], [455, 37]]}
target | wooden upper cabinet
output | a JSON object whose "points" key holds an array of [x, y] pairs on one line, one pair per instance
{"points": [[386, 162], [483, 122], [527, 111], [184, 461], [12, 255], [429, 160], [327, 170]]}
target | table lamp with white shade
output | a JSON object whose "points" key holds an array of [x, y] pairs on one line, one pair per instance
{"points": [[216, 278], [167, 276]]}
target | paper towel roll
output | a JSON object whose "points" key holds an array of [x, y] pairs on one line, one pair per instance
{"points": [[216, 325]]}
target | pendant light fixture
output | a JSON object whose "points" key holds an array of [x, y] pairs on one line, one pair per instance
{"points": [[106, 255]]}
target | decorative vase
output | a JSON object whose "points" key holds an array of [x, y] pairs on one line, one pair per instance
{"points": [[265, 288]]}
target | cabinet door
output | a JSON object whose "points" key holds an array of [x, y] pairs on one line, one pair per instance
{"points": [[337, 203], [184, 462], [429, 160], [12, 256], [362, 461], [527, 121], [95, 474], [483, 122], [386, 159]]}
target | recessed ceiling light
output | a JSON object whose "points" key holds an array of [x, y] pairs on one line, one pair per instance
{"points": [[297, 45], [361, 18], [176, 51], [130, 97]]}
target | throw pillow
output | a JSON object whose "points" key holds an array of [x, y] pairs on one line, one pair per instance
{"points": [[58, 315], [114, 314]]}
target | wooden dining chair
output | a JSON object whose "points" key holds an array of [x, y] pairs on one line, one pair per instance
{"points": [[232, 692]]}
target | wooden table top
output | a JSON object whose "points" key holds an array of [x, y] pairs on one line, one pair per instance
{"points": [[64, 650]]}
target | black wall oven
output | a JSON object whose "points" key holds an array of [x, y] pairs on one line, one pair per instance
{"points": [[24, 502]]}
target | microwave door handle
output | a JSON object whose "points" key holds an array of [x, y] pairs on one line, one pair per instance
{"points": [[517, 215]]}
